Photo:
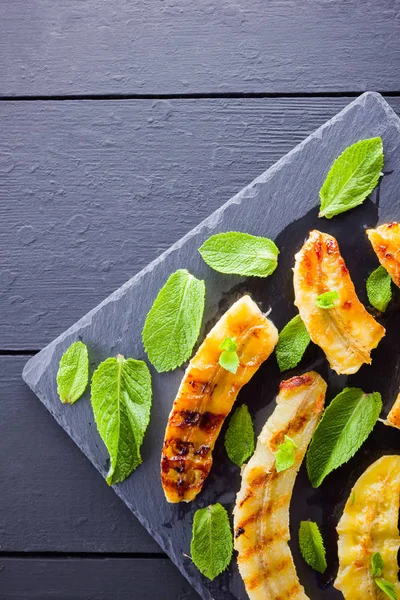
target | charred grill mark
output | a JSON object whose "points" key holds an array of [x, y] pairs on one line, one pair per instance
{"points": [[294, 382], [178, 447], [247, 497], [201, 387], [239, 531], [260, 547], [202, 451], [206, 421], [331, 247], [254, 582], [347, 304]]}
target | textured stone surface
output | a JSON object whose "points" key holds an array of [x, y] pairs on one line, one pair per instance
{"points": [[281, 204]]}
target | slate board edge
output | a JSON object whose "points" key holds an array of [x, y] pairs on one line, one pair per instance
{"points": [[44, 358]]}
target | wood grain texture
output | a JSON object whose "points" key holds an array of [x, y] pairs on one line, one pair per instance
{"points": [[51, 497], [92, 579], [91, 192], [164, 47]]}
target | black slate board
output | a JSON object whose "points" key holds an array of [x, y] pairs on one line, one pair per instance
{"points": [[282, 204]]}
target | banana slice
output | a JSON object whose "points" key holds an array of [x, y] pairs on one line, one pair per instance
{"points": [[346, 333], [385, 241], [393, 418], [261, 514], [369, 525], [206, 396]]}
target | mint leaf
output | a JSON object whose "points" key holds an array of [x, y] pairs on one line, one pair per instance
{"points": [[240, 254], [285, 455], [376, 564], [379, 289], [386, 587], [121, 401], [173, 323], [376, 572], [352, 177], [228, 344], [212, 542], [312, 546], [293, 341], [344, 427], [327, 300], [73, 373], [239, 437]]}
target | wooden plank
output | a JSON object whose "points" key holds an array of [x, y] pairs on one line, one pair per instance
{"points": [[92, 579], [93, 191], [147, 47], [51, 497]]}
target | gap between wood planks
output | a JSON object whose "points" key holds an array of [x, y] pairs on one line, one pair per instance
{"points": [[196, 96]]}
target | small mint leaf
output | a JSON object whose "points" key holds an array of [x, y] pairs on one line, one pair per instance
{"points": [[285, 455], [293, 342], [386, 587], [344, 427], [212, 542], [327, 300], [379, 289], [239, 437], [240, 254], [312, 546], [352, 177], [173, 323], [73, 373], [229, 361], [228, 344], [376, 564]]}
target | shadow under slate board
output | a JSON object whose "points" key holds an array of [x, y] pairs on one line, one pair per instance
{"points": [[281, 204]]}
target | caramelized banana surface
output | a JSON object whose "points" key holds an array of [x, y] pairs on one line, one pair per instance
{"points": [[206, 396], [369, 525], [385, 241], [261, 514], [346, 333]]}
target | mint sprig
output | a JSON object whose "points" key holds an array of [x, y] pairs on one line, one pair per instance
{"points": [[344, 427], [376, 572], [312, 546], [352, 177], [293, 342], [173, 323], [240, 254], [285, 454], [229, 359], [239, 437], [212, 541], [327, 300], [73, 373], [121, 401], [379, 289]]}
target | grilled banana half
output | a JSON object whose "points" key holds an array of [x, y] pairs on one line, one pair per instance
{"points": [[261, 514], [369, 525], [206, 396], [347, 332], [385, 241], [393, 418]]}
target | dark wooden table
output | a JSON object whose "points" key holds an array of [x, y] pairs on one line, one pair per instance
{"points": [[123, 123]]}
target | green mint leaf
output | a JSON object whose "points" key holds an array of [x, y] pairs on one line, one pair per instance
{"points": [[239, 437], [285, 455], [344, 427], [352, 177], [212, 541], [327, 300], [386, 587], [173, 323], [292, 343], [379, 289], [240, 254], [229, 361], [228, 344], [376, 564], [312, 546], [121, 401], [73, 373]]}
